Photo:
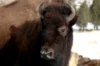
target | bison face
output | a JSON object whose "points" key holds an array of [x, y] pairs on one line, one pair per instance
{"points": [[57, 19], [54, 35], [54, 41]]}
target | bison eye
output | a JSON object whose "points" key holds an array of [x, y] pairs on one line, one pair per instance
{"points": [[62, 30]]}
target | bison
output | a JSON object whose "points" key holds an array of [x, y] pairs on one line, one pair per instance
{"points": [[85, 61], [46, 41]]}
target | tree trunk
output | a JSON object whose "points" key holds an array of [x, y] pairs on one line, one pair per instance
{"points": [[96, 27]]}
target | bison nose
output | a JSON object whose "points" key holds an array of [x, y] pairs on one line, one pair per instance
{"points": [[47, 53]]}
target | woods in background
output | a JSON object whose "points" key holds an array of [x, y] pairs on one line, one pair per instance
{"points": [[88, 14]]}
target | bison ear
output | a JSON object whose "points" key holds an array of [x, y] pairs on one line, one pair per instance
{"points": [[42, 10], [42, 7]]}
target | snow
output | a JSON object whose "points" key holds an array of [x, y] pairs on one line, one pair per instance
{"points": [[87, 44]]}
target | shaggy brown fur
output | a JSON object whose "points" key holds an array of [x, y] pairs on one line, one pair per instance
{"points": [[16, 14], [24, 46]]}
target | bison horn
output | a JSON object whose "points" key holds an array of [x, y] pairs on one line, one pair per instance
{"points": [[43, 5], [42, 10], [72, 15]]}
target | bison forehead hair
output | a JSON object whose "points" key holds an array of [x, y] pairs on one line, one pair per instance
{"points": [[62, 9]]}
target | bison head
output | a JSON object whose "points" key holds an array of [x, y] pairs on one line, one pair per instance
{"points": [[57, 21]]}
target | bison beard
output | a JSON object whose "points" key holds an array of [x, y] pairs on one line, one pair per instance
{"points": [[24, 46]]}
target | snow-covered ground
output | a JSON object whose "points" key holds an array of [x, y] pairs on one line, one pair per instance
{"points": [[87, 44]]}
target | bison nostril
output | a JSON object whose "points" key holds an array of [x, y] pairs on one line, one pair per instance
{"points": [[47, 54], [50, 53]]}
